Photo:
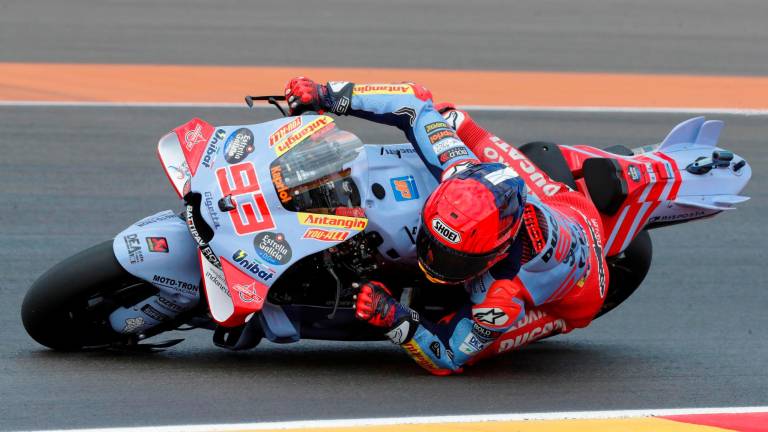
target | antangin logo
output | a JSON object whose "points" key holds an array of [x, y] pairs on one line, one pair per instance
{"points": [[332, 221]]}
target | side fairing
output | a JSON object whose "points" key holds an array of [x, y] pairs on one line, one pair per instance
{"points": [[159, 250]]}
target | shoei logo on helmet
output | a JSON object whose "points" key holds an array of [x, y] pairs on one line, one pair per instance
{"points": [[445, 231]]}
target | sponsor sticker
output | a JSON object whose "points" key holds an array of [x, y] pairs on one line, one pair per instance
{"points": [[440, 134], [279, 182], [284, 130], [404, 188], [452, 153], [444, 231], [133, 246], [170, 305], [157, 244], [209, 157], [299, 135], [248, 293], [253, 266], [399, 152], [435, 126], [445, 144], [634, 173], [332, 221], [325, 235], [154, 313], [238, 146], [214, 215], [157, 218], [382, 89], [471, 345], [174, 284], [418, 355], [532, 335], [272, 248], [194, 133]]}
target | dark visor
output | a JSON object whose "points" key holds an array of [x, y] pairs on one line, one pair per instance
{"points": [[446, 264]]}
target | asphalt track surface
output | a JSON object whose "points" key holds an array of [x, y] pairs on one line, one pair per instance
{"points": [[657, 36], [693, 335]]}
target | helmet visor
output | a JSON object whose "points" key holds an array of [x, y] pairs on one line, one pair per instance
{"points": [[447, 265]]}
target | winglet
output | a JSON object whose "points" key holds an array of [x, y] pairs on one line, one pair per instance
{"points": [[696, 131], [712, 202]]}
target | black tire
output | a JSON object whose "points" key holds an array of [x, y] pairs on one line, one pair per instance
{"points": [[627, 272], [67, 307]]}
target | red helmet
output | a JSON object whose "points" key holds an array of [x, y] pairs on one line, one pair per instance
{"points": [[469, 221]]}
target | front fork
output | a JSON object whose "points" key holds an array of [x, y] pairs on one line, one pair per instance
{"points": [[158, 249]]}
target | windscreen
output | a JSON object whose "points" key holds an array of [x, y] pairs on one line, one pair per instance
{"points": [[312, 177]]}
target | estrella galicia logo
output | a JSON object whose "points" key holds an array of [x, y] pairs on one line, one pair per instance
{"points": [[404, 188], [272, 248], [252, 266], [238, 146], [213, 148]]}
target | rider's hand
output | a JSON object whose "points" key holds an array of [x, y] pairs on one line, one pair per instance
{"points": [[303, 95], [375, 305]]}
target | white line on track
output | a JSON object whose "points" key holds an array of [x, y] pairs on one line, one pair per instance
{"points": [[310, 424], [582, 109]]}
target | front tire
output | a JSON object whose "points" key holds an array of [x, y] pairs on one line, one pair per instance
{"points": [[67, 308]]}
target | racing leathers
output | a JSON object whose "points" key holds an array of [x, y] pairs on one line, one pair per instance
{"points": [[553, 278]]}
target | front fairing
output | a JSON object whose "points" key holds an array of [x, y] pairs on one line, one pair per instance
{"points": [[254, 238]]}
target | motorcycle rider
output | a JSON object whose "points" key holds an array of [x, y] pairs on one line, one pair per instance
{"points": [[515, 238]]}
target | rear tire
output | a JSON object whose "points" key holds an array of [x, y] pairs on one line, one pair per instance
{"points": [[67, 308], [628, 271]]}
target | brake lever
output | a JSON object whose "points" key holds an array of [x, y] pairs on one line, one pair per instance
{"points": [[272, 100]]}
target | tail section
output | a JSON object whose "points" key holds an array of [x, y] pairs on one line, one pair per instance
{"points": [[686, 177]]}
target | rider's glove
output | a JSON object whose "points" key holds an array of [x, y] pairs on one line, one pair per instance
{"points": [[303, 95], [376, 306]]}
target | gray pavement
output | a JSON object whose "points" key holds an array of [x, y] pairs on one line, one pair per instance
{"points": [[675, 36], [692, 336]]}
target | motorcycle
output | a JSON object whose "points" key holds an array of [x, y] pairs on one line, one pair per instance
{"points": [[282, 218]]}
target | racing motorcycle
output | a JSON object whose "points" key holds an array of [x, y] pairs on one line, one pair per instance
{"points": [[282, 218]]}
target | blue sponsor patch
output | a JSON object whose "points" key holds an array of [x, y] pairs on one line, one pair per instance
{"points": [[404, 188]]}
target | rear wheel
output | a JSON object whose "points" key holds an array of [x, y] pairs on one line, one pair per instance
{"points": [[67, 308], [627, 272]]}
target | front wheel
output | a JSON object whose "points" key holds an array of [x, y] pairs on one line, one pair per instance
{"points": [[67, 308]]}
